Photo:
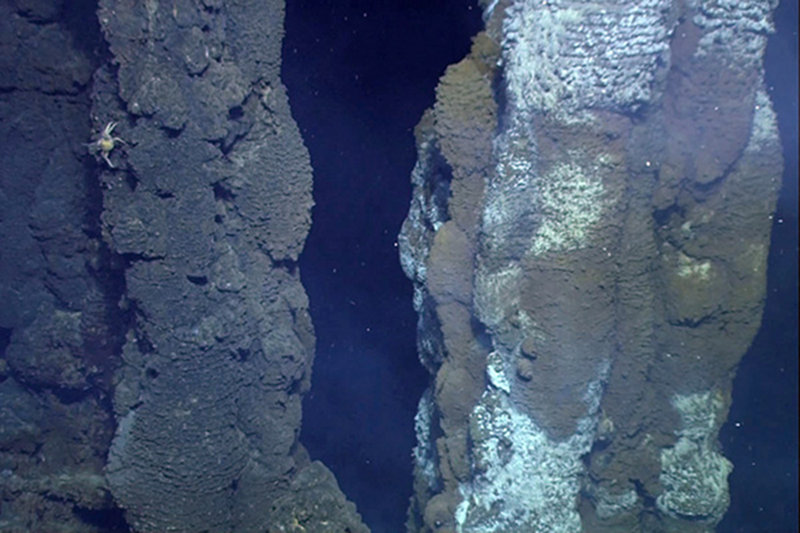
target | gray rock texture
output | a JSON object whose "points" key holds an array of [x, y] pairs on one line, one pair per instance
{"points": [[209, 204], [155, 341], [58, 288], [587, 238]]}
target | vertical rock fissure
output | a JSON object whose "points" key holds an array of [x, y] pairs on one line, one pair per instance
{"points": [[359, 75]]}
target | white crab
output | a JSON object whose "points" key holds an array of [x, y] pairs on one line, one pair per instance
{"points": [[106, 142]]}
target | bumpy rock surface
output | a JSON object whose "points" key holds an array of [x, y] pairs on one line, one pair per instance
{"points": [[209, 205], [154, 335], [588, 239], [58, 291]]}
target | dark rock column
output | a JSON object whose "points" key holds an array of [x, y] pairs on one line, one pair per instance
{"points": [[207, 197], [588, 240], [58, 288]]}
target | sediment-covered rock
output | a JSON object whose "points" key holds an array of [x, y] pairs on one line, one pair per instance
{"points": [[587, 238]]}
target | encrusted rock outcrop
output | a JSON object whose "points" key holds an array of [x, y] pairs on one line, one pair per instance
{"points": [[210, 206], [155, 341], [588, 238], [59, 321]]}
